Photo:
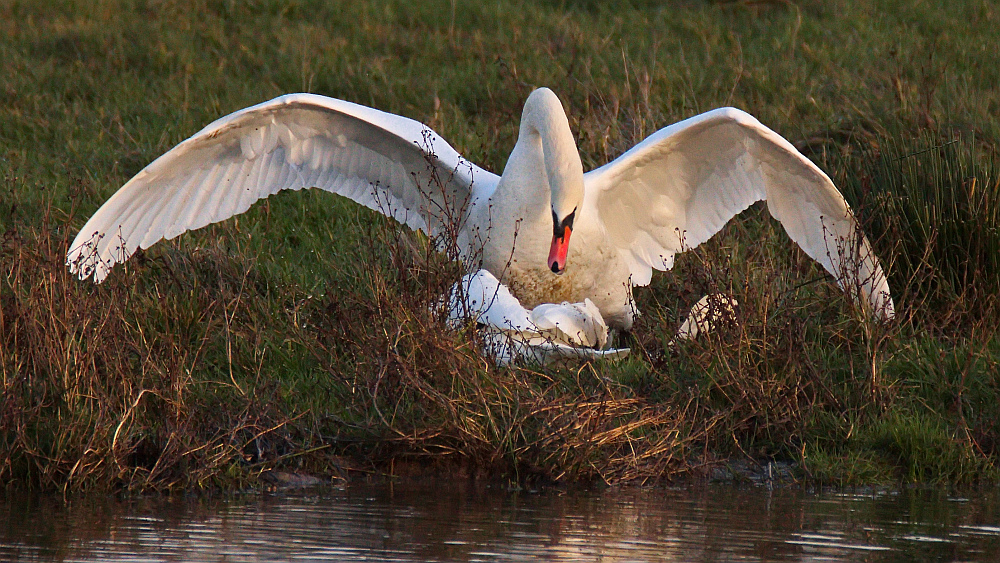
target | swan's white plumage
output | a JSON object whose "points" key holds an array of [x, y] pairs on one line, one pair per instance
{"points": [[544, 334], [481, 297], [578, 324], [669, 193]]}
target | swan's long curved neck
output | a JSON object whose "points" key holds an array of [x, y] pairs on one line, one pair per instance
{"points": [[544, 122], [543, 177]]}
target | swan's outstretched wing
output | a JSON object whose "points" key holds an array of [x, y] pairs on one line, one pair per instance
{"points": [[682, 184], [386, 162]]}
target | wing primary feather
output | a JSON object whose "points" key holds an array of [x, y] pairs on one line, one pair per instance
{"points": [[118, 243], [174, 220], [129, 227], [228, 179]]}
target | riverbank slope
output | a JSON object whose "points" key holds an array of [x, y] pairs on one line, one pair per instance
{"points": [[298, 337]]}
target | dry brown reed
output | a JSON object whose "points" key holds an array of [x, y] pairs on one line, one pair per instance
{"points": [[101, 384]]}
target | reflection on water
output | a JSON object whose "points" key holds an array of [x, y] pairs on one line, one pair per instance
{"points": [[441, 521]]}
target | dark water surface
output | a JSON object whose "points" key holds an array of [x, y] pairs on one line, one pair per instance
{"points": [[444, 521]]}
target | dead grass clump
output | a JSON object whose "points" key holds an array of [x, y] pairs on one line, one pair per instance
{"points": [[431, 394], [611, 437], [124, 384]]}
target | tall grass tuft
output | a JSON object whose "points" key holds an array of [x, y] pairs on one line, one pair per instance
{"points": [[139, 383], [931, 203]]}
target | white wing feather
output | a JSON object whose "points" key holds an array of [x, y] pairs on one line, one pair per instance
{"points": [[386, 162], [544, 334], [577, 324], [682, 184], [481, 296]]}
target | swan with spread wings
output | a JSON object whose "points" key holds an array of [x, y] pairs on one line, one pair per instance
{"points": [[544, 228]]}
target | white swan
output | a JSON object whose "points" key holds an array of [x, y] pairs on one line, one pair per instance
{"points": [[668, 194], [511, 333]]}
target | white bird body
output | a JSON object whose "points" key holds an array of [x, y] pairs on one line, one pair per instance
{"points": [[669, 193]]}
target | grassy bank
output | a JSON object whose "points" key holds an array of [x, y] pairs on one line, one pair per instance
{"points": [[298, 336]]}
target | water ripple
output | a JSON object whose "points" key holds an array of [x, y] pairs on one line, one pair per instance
{"points": [[434, 522]]}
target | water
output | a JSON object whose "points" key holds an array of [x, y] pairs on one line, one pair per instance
{"points": [[441, 521]]}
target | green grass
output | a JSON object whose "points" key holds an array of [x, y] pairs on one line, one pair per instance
{"points": [[260, 343]]}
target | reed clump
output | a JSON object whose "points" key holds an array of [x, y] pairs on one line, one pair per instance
{"points": [[931, 203], [106, 386]]}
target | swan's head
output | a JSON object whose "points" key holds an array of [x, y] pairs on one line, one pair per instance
{"points": [[562, 228]]}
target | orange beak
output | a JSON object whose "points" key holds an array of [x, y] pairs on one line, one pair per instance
{"points": [[559, 250]]}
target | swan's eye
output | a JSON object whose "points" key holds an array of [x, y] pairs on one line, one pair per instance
{"points": [[559, 227]]}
